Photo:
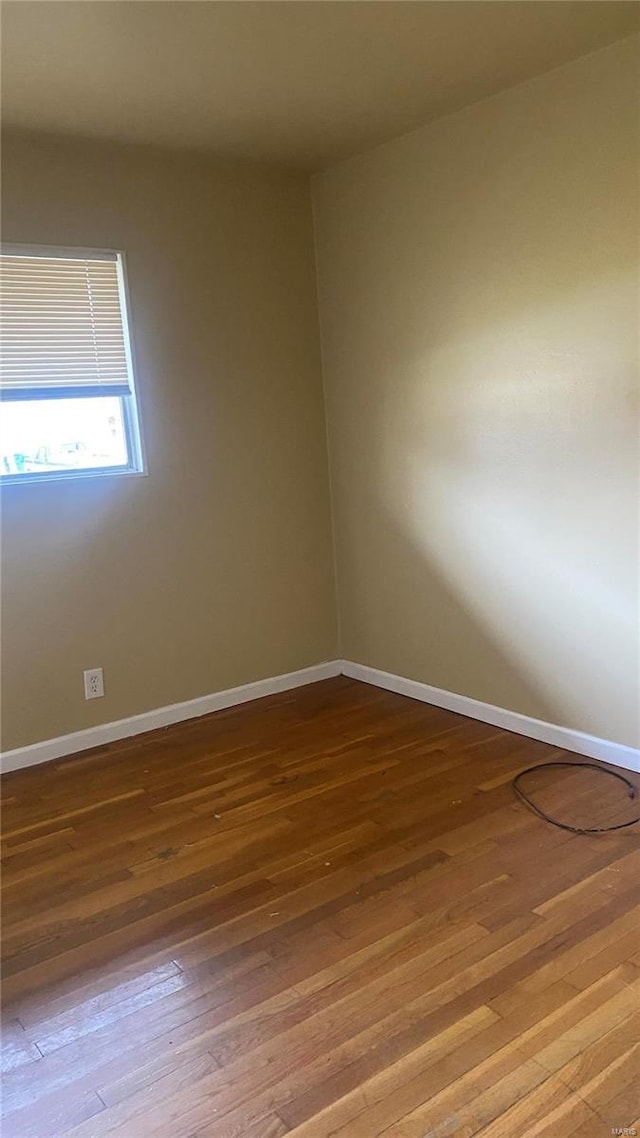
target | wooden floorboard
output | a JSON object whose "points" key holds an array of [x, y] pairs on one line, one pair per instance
{"points": [[322, 913]]}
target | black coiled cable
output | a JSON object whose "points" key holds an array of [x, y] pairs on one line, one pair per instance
{"points": [[524, 797]]}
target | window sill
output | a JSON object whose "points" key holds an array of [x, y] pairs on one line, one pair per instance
{"points": [[65, 476]]}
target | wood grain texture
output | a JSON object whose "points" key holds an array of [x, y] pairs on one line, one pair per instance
{"points": [[323, 913]]}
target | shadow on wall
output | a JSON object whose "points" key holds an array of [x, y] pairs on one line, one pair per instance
{"points": [[429, 631], [500, 484]]}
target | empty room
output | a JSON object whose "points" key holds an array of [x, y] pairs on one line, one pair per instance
{"points": [[319, 476]]}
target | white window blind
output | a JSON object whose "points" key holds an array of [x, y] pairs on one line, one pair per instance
{"points": [[62, 326]]}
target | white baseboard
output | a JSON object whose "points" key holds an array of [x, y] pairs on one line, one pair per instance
{"points": [[615, 753], [163, 716]]}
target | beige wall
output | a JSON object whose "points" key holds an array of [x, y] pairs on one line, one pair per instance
{"points": [[216, 569], [479, 309], [479, 305]]}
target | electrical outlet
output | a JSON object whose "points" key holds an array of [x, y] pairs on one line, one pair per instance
{"points": [[93, 683]]}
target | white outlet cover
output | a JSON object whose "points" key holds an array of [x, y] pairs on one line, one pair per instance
{"points": [[93, 683]]}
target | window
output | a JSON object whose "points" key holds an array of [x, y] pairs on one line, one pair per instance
{"points": [[66, 377]]}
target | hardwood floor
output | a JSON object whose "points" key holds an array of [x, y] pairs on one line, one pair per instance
{"points": [[319, 914]]}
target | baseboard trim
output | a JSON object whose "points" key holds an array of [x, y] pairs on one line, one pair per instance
{"points": [[577, 741], [65, 745]]}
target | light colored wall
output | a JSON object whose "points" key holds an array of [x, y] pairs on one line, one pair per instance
{"points": [[479, 303], [216, 569], [479, 309]]}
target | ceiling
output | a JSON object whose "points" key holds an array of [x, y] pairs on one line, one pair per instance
{"points": [[300, 83]]}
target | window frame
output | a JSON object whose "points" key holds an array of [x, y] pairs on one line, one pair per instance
{"points": [[130, 407]]}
